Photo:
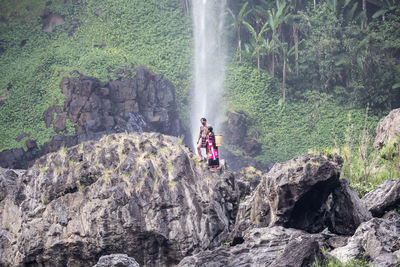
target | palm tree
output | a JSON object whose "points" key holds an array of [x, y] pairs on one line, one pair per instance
{"points": [[275, 18], [237, 23], [286, 53], [258, 39]]}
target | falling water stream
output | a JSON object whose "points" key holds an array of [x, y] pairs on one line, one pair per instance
{"points": [[209, 63]]}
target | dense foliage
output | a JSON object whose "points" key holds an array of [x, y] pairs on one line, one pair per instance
{"points": [[111, 34], [315, 70]]}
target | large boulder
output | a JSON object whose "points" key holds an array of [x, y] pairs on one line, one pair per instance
{"points": [[377, 239], [384, 198], [274, 246], [291, 194], [346, 211], [143, 195], [100, 108], [388, 129]]}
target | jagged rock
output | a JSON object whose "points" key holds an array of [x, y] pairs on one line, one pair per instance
{"points": [[90, 102], [261, 247], [347, 211], [143, 103], [116, 260], [388, 129], [291, 194], [383, 198], [377, 239], [247, 180], [302, 251], [139, 194], [51, 21]]}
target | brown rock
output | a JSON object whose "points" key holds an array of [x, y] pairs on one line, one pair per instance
{"points": [[31, 144], [59, 123], [52, 21]]}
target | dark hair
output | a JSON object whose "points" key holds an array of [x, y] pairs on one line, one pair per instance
{"points": [[203, 119], [210, 128]]}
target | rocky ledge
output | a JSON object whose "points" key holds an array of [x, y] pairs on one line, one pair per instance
{"points": [[146, 195]]}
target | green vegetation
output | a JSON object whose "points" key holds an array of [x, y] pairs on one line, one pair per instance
{"points": [[150, 33], [330, 262]]}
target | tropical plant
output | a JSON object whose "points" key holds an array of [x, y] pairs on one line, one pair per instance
{"points": [[275, 18], [258, 39], [237, 24]]}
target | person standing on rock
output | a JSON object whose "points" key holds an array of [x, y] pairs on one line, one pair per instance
{"points": [[203, 137], [213, 157]]}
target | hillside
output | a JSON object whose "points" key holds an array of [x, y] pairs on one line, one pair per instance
{"points": [[324, 106]]}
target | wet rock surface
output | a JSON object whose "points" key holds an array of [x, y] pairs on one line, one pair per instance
{"points": [[143, 195]]}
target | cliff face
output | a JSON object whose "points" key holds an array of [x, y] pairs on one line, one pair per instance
{"points": [[138, 100], [147, 196], [140, 194]]}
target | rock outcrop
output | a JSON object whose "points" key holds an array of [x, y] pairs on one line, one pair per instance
{"points": [[377, 239], [384, 198], [137, 101], [143, 195], [274, 246], [116, 260], [291, 194], [388, 129], [346, 211], [237, 137]]}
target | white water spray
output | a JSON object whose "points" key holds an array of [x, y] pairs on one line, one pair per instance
{"points": [[210, 53]]}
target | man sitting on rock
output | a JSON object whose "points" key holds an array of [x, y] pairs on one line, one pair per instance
{"points": [[203, 137]]}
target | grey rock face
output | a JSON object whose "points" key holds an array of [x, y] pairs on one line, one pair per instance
{"points": [[383, 198], [291, 194], [347, 211], [116, 260], [377, 239], [139, 194], [272, 246], [388, 129]]}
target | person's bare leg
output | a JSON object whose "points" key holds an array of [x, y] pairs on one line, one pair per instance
{"points": [[199, 151]]}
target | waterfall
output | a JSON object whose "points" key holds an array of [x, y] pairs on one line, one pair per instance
{"points": [[209, 63]]}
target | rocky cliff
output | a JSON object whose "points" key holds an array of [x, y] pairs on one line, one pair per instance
{"points": [[136, 100], [144, 198], [144, 195]]}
